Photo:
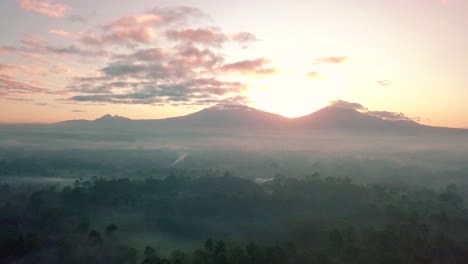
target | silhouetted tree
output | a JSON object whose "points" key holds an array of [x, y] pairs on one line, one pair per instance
{"points": [[110, 229], [95, 237]]}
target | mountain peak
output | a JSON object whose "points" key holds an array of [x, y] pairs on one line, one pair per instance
{"points": [[109, 117], [230, 106]]}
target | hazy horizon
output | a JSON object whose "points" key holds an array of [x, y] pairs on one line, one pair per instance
{"points": [[384, 115]]}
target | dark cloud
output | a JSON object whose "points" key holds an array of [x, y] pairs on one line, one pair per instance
{"points": [[20, 99], [150, 54], [204, 59], [74, 50], [122, 69], [330, 60], [347, 105], [148, 75], [184, 75], [38, 49], [78, 111], [193, 91]]}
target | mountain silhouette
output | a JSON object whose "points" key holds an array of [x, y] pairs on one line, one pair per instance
{"points": [[347, 119], [111, 118], [231, 115], [331, 119]]}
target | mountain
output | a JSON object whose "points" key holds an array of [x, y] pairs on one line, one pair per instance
{"points": [[236, 117], [103, 119], [233, 125], [231, 115], [345, 119], [110, 118]]}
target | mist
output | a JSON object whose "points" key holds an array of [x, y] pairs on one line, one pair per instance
{"points": [[197, 190]]}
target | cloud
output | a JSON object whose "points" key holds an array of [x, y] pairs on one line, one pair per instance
{"points": [[78, 111], [77, 18], [36, 47], [59, 32], [20, 99], [139, 35], [208, 36], [90, 38], [330, 60], [204, 58], [182, 76], [74, 50], [316, 76], [179, 15], [10, 86], [386, 115], [119, 36], [242, 37], [385, 83], [116, 36], [193, 92], [255, 67], [10, 69], [124, 69], [30, 43], [139, 20], [158, 17], [150, 54], [34, 41], [189, 67], [45, 7], [348, 105]]}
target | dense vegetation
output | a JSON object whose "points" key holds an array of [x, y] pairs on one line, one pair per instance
{"points": [[284, 220]]}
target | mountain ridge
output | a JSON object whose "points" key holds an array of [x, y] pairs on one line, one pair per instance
{"points": [[237, 115]]}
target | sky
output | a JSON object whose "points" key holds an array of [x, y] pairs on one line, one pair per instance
{"points": [[80, 59]]}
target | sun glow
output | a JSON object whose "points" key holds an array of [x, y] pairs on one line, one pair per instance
{"points": [[292, 94]]}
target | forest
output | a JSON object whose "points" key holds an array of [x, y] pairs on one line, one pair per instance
{"points": [[221, 218]]}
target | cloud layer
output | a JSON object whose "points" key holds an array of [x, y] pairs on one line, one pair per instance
{"points": [[157, 57]]}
